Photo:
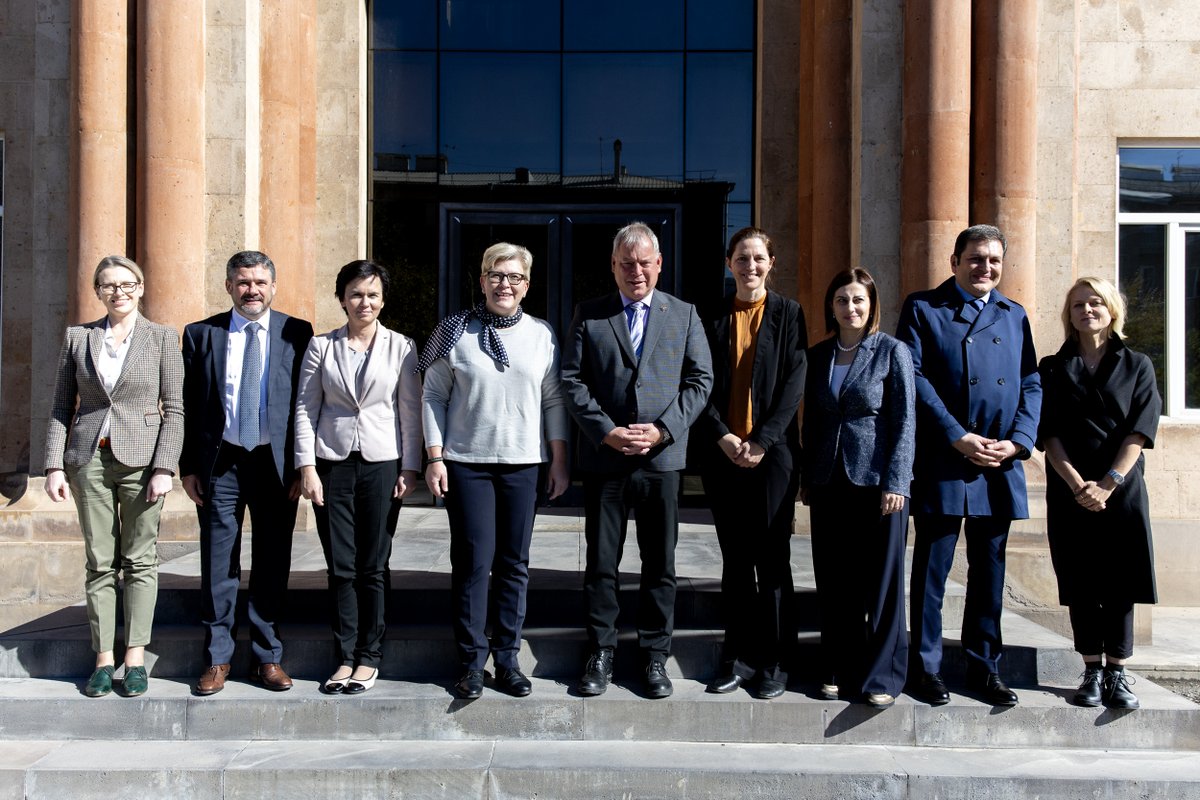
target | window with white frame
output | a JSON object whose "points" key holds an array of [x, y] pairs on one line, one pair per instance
{"points": [[1158, 266]]}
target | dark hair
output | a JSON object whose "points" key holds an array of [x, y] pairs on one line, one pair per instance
{"points": [[845, 278], [749, 232], [361, 269], [979, 233], [248, 258]]}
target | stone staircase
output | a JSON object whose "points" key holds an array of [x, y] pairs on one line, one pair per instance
{"points": [[410, 737]]}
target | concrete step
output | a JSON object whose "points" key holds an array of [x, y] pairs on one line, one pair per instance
{"points": [[425, 709], [499, 770], [58, 648]]}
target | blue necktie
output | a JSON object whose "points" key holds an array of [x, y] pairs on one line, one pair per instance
{"points": [[636, 326], [249, 393]]}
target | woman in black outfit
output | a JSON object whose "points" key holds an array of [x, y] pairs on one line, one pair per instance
{"points": [[1100, 409], [749, 438]]}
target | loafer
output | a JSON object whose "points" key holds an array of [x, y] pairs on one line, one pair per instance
{"points": [[354, 686], [213, 679], [1116, 690], [993, 690], [470, 685], [101, 681], [1090, 693], [880, 700], [932, 689], [512, 681], [136, 681], [724, 684], [272, 677], [658, 685], [597, 674], [770, 688]]}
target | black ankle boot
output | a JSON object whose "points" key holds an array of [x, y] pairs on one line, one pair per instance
{"points": [[1090, 693], [1116, 689]]}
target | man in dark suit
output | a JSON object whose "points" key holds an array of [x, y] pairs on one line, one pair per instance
{"points": [[239, 392], [637, 373], [978, 402]]}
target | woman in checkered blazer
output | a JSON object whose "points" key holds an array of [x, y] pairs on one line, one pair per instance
{"points": [[113, 442]]}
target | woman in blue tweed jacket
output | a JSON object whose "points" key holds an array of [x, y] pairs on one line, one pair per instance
{"points": [[113, 442], [859, 424]]}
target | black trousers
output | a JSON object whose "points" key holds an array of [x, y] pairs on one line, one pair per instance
{"points": [[753, 510], [356, 525], [490, 508], [858, 561], [654, 499], [1103, 628]]}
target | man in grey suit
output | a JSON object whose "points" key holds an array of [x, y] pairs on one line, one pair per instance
{"points": [[637, 373]]}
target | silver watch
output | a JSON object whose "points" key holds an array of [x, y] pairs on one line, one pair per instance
{"points": [[1117, 477]]}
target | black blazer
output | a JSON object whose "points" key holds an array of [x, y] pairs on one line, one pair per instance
{"points": [[204, 348], [777, 383]]}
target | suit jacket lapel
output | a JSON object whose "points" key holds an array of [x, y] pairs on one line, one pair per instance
{"points": [[341, 357], [620, 326], [95, 343], [141, 335], [866, 351], [374, 361], [656, 318]]}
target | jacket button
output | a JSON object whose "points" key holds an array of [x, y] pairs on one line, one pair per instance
{"points": [[970, 340], [1000, 381], [974, 381], [996, 340], [973, 425]]}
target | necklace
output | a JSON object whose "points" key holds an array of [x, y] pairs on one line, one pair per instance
{"points": [[850, 349]]}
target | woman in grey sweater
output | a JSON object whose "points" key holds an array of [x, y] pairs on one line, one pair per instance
{"points": [[493, 414]]}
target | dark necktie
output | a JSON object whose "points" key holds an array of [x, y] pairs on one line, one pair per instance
{"points": [[248, 392]]}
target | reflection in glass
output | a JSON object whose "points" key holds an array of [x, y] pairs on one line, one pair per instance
{"points": [[1160, 179], [1142, 279], [404, 107], [499, 24], [720, 24], [720, 119], [500, 111], [623, 25], [478, 237], [637, 98], [407, 24], [1191, 319]]}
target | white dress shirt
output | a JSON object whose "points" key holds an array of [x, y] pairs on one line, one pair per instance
{"points": [[235, 352], [112, 361]]}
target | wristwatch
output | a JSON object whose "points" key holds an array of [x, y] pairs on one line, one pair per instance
{"points": [[1117, 477], [663, 432]]}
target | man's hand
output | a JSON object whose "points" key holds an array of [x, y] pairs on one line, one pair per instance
{"points": [[310, 485], [636, 440], [193, 489], [158, 486], [977, 450]]}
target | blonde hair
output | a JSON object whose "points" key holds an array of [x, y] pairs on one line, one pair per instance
{"points": [[116, 261], [504, 251], [1113, 301]]}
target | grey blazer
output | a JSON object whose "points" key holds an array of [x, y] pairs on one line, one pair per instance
{"points": [[872, 421], [608, 387], [386, 415], [146, 404]]}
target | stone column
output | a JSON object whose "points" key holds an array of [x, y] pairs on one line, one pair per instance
{"points": [[833, 44], [170, 148], [99, 138], [935, 171], [804, 177], [287, 181], [1004, 118]]}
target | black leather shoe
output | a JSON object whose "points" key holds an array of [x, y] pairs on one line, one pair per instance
{"points": [[770, 688], [510, 680], [1089, 693], [658, 685], [1116, 690], [597, 673], [932, 689], [724, 684], [994, 691], [470, 685]]}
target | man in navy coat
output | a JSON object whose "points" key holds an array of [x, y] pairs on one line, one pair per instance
{"points": [[978, 401]]}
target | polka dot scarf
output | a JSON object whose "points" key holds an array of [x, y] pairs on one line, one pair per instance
{"points": [[450, 330]]}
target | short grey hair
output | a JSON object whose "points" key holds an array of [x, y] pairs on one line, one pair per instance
{"points": [[248, 258], [632, 234], [504, 251]]}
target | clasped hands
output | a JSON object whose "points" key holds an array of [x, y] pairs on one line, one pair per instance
{"points": [[742, 452], [983, 452], [1092, 496], [636, 440]]}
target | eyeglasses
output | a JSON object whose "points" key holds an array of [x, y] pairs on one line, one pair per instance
{"points": [[128, 287], [513, 278]]}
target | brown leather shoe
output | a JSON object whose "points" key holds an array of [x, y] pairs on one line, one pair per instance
{"points": [[272, 677], [213, 679]]}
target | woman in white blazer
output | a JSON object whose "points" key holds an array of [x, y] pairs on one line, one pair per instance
{"points": [[358, 450]]}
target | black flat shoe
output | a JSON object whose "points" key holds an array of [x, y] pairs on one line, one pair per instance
{"points": [[724, 684], [358, 687], [932, 689], [101, 681], [512, 681], [992, 690], [334, 685], [470, 685]]}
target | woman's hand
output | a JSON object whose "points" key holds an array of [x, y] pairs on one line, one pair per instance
{"points": [[1092, 496], [559, 479], [56, 486], [159, 485], [891, 503], [436, 478], [406, 483], [310, 485]]}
